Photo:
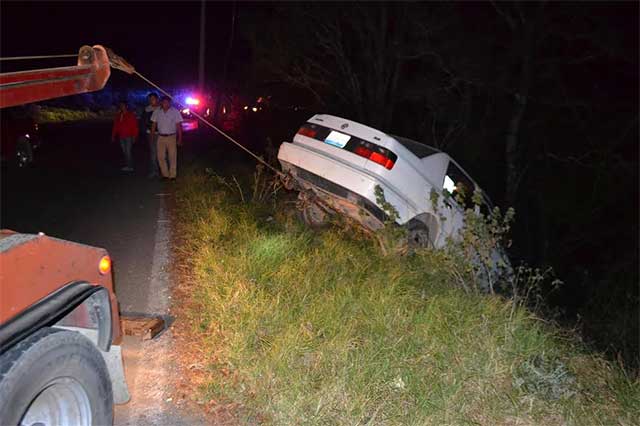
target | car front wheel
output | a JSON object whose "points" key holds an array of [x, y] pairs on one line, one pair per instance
{"points": [[55, 377]]}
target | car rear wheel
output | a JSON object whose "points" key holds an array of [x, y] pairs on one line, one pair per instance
{"points": [[55, 377], [417, 235]]}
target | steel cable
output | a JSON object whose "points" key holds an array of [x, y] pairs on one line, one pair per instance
{"points": [[258, 158], [20, 58], [205, 121]]}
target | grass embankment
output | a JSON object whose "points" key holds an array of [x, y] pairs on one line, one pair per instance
{"points": [[319, 328]]}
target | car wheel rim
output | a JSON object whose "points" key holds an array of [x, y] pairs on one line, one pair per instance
{"points": [[63, 402]]}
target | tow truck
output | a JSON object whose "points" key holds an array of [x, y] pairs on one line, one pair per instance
{"points": [[60, 329]]}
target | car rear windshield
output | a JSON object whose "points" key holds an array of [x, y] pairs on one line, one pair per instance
{"points": [[418, 149]]}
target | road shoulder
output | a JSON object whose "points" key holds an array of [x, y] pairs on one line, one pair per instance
{"points": [[151, 366]]}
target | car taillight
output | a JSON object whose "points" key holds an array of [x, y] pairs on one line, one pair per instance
{"points": [[308, 132], [375, 156], [382, 159], [362, 151]]}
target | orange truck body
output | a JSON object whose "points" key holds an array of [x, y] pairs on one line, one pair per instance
{"points": [[34, 266], [49, 282]]}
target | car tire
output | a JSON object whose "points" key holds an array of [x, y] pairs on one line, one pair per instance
{"points": [[418, 235], [55, 377], [24, 152], [314, 216]]}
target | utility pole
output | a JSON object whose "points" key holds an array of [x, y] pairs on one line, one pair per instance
{"points": [[202, 48], [222, 86]]}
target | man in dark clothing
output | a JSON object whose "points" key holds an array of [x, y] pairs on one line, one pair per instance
{"points": [[153, 105], [125, 129]]}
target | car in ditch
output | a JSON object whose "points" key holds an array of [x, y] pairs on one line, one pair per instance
{"points": [[343, 167]]}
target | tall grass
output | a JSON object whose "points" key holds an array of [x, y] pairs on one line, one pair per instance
{"points": [[319, 328]]}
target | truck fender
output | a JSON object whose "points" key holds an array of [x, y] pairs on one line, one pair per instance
{"points": [[55, 307], [78, 306]]}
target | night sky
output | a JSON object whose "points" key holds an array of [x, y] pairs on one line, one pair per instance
{"points": [[159, 38]]}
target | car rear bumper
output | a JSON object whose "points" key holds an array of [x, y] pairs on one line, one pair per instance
{"points": [[346, 188]]}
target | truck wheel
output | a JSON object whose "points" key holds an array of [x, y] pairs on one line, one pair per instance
{"points": [[24, 152], [55, 377], [417, 235], [313, 215]]}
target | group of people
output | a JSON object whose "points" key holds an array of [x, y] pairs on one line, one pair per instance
{"points": [[163, 131]]}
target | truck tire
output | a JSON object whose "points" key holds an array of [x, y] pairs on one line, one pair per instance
{"points": [[55, 377]]}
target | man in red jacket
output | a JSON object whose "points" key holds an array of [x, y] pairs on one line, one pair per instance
{"points": [[125, 128]]}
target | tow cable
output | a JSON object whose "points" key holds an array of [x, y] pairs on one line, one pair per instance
{"points": [[118, 62]]}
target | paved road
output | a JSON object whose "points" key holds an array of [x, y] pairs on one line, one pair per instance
{"points": [[77, 192]]}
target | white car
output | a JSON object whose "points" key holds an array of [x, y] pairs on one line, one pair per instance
{"points": [[336, 164]]}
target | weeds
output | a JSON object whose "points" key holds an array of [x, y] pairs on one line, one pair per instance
{"points": [[391, 238], [477, 259], [545, 378], [265, 185]]}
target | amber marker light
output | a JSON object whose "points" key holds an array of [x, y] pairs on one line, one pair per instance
{"points": [[104, 266]]}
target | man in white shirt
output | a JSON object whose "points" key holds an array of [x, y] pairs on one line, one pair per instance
{"points": [[166, 122]]}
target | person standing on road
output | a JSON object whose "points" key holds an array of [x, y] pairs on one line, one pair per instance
{"points": [[153, 105], [166, 122], [125, 128]]}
